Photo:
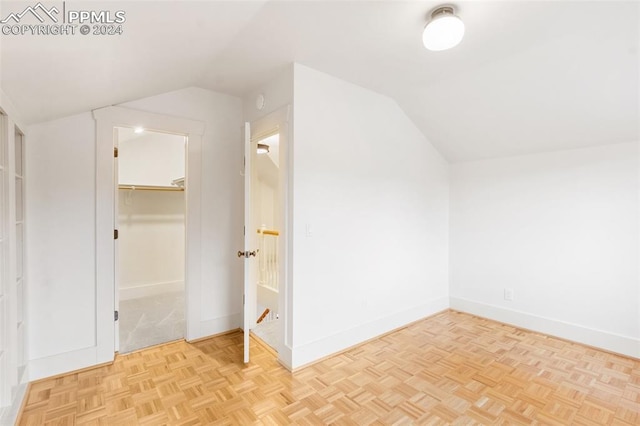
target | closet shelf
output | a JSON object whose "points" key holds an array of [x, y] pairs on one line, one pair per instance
{"points": [[150, 188]]}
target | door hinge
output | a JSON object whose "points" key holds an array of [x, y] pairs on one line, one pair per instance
{"points": [[115, 315], [243, 299], [115, 152], [115, 234]]}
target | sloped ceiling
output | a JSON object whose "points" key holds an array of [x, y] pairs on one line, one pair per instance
{"points": [[528, 76]]}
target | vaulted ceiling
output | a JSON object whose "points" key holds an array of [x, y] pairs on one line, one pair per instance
{"points": [[528, 76]]}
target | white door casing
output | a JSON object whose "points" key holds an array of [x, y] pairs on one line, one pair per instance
{"points": [[116, 242], [278, 122], [106, 120]]}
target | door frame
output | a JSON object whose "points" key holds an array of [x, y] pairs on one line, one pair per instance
{"points": [[106, 119], [279, 121]]}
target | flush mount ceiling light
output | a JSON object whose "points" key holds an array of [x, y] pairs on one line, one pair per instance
{"points": [[444, 30], [263, 148], [138, 130]]}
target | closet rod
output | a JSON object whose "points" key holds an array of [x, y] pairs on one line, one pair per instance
{"points": [[150, 188]]}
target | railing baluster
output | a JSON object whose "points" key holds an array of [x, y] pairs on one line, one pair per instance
{"points": [[268, 258]]}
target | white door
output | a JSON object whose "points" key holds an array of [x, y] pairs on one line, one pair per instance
{"points": [[250, 250]]}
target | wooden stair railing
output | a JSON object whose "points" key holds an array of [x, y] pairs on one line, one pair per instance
{"points": [[262, 317]]}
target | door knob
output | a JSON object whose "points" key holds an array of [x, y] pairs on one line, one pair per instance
{"points": [[247, 254]]}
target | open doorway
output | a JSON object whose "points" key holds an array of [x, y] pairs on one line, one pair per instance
{"points": [[266, 215], [150, 248], [267, 240]]}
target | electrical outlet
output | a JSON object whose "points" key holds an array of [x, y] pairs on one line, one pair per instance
{"points": [[508, 294]]}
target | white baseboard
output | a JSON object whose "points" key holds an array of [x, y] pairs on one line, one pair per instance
{"points": [[310, 352], [62, 363], [624, 345], [87, 357], [145, 290], [284, 356], [215, 326], [9, 415]]}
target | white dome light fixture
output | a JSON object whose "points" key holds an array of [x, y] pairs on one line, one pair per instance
{"points": [[444, 30]]}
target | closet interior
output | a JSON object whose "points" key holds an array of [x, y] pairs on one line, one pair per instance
{"points": [[150, 248]]}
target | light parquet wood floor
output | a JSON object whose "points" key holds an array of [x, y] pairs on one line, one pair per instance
{"points": [[451, 368]]}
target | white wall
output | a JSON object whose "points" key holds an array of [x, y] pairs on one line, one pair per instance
{"points": [[61, 238], [561, 230], [151, 242], [370, 198], [370, 217], [151, 159], [277, 93], [61, 222], [222, 199], [151, 223], [267, 196], [266, 205]]}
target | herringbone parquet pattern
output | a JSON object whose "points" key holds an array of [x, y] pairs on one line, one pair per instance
{"points": [[452, 368]]}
